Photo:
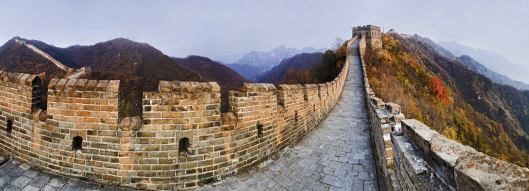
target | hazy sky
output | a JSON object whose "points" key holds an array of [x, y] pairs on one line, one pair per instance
{"points": [[227, 27]]}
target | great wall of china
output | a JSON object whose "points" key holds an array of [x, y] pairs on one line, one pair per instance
{"points": [[183, 141]]}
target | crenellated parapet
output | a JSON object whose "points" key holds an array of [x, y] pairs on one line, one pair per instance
{"points": [[411, 156], [180, 141]]}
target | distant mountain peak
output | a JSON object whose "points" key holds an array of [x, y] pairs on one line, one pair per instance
{"points": [[488, 63], [256, 63]]}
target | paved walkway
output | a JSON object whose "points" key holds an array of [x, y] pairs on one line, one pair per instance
{"points": [[337, 156], [20, 177]]}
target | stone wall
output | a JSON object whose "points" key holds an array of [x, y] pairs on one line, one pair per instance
{"points": [[411, 156], [181, 141], [16, 114]]}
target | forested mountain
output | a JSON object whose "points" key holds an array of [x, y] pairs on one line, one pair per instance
{"points": [[15, 57], [257, 63], [486, 63], [299, 64], [451, 98], [139, 66], [307, 68]]}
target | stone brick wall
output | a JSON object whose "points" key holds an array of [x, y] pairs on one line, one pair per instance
{"points": [[85, 109], [16, 100], [411, 156], [181, 141]]}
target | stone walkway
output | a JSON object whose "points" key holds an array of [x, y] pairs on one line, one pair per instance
{"points": [[20, 177], [337, 156]]}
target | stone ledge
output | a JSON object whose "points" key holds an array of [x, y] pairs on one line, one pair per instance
{"points": [[412, 168], [187, 87], [289, 87], [462, 166], [257, 87], [70, 85], [20, 78]]}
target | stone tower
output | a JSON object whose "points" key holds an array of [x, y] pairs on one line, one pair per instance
{"points": [[371, 33]]}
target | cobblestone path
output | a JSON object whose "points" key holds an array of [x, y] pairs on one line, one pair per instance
{"points": [[337, 156]]}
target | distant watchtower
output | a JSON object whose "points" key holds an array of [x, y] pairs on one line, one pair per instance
{"points": [[371, 33]]}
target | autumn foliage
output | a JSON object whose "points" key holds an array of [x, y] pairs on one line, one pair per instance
{"points": [[440, 90], [325, 71]]}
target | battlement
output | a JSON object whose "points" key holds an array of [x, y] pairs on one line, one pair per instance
{"points": [[20, 78], [366, 28], [180, 141], [57, 86], [411, 156]]}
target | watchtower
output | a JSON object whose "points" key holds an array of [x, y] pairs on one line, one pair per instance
{"points": [[371, 33]]}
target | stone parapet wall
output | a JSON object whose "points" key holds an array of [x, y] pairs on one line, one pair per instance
{"points": [[16, 119], [411, 156], [181, 141]]}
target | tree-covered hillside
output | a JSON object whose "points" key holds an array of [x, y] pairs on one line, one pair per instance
{"points": [[444, 94]]}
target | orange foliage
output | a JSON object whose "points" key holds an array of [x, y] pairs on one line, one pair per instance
{"points": [[440, 90]]}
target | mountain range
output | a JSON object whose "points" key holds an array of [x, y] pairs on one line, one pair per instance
{"points": [[468, 57], [488, 63], [257, 63], [295, 64], [139, 66]]}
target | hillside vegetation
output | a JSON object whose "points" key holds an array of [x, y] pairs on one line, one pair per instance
{"points": [[461, 104], [308, 68]]}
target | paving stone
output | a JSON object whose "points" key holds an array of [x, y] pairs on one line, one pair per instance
{"points": [[369, 185], [328, 170], [279, 188], [30, 173], [91, 187], [40, 181], [21, 182], [30, 188], [11, 188], [49, 188], [294, 186], [57, 182], [24, 167], [320, 186], [4, 180], [268, 182], [71, 187], [15, 172], [283, 181]]}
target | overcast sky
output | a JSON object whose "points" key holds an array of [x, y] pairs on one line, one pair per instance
{"points": [[218, 28]]}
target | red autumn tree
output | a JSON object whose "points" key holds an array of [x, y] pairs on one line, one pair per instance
{"points": [[440, 90]]}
